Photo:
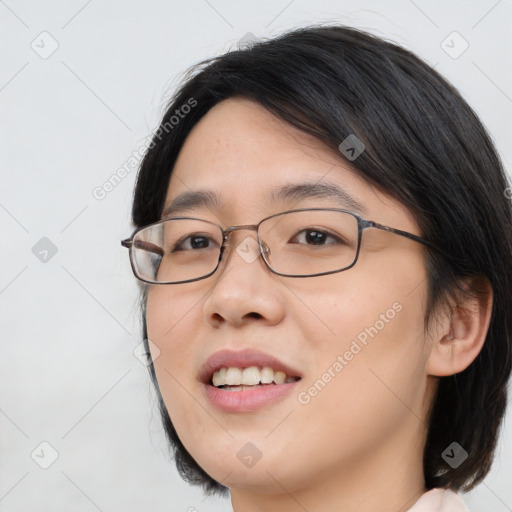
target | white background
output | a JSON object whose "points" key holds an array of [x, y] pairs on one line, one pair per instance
{"points": [[69, 121]]}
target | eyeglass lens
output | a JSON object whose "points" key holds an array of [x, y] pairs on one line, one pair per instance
{"points": [[297, 243]]}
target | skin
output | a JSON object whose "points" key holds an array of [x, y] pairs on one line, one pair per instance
{"points": [[358, 444]]}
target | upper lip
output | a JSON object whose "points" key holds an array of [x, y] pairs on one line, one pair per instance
{"points": [[242, 359]]}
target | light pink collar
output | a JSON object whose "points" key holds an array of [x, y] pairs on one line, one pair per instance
{"points": [[439, 500]]}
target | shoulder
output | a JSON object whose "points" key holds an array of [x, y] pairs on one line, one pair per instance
{"points": [[439, 500]]}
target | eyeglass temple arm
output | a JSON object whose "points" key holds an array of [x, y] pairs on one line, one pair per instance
{"points": [[146, 246], [411, 236]]}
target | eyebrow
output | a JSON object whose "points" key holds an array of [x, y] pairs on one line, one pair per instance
{"points": [[295, 191]]}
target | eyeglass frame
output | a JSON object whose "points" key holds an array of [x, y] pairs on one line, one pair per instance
{"points": [[362, 224]]}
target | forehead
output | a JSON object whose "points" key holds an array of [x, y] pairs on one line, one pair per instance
{"points": [[244, 154], [238, 137]]}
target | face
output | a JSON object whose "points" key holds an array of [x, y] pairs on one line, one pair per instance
{"points": [[355, 338]]}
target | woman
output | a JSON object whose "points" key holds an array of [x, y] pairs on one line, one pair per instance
{"points": [[324, 237]]}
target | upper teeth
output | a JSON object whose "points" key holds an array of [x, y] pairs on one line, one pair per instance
{"points": [[249, 376]]}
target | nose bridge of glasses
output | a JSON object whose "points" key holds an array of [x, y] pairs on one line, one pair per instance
{"points": [[228, 231]]}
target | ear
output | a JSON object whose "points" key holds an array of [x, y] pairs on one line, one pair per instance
{"points": [[460, 335]]}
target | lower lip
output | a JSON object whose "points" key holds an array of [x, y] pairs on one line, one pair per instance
{"points": [[247, 400]]}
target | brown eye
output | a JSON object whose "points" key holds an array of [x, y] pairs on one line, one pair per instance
{"points": [[316, 237], [192, 242]]}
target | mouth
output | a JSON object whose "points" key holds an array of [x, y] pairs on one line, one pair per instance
{"points": [[246, 380]]}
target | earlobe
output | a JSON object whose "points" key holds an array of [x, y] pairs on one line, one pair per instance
{"points": [[463, 331]]}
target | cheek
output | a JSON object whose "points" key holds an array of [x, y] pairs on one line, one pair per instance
{"points": [[172, 318], [381, 306], [370, 367], [171, 325], [175, 325]]}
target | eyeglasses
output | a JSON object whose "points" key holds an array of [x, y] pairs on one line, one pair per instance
{"points": [[306, 242]]}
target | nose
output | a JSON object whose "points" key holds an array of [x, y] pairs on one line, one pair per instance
{"points": [[243, 289]]}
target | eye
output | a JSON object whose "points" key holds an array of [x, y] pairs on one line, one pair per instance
{"points": [[312, 236], [195, 241]]}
